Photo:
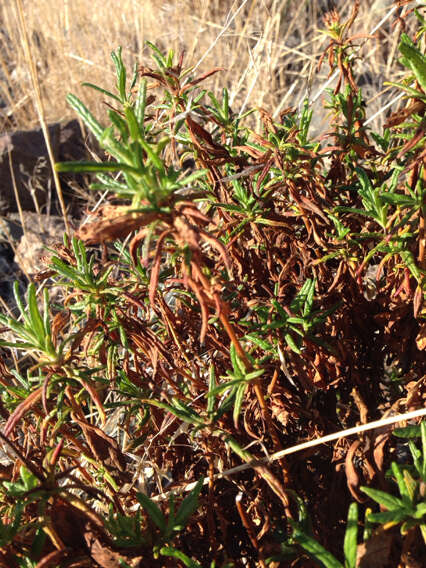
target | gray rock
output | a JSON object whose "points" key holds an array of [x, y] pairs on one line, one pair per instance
{"points": [[41, 231], [31, 165]]}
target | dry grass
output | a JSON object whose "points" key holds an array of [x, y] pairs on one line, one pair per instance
{"points": [[268, 47]]}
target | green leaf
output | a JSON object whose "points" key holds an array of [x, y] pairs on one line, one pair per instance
{"points": [[29, 479], [87, 117], [132, 123], [179, 555], [155, 159], [292, 344], [103, 91], [351, 534], [235, 447], [413, 92], [420, 511], [46, 315], [237, 364], [20, 303], [413, 59], [36, 319], [17, 344], [212, 385], [192, 177], [189, 504], [265, 345], [184, 413], [94, 167], [141, 104], [316, 550], [160, 57], [254, 374], [310, 291], [399, 476], [239, 398], [394, 517], [153, 511], [229, 384], [121, 74], [391, 503]]}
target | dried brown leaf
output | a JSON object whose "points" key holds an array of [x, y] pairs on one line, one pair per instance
{"points": [[375, 553]]}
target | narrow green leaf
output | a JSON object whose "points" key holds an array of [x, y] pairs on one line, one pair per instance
{"points": [[291, 343], [46, 314], [140, 105], [399, 476], [189, 504], [132, 123], [225, 95], [413, 92], [29, 479], [296, 320], [89, 120], [228, 385], [235, 447], [179, 555], [192, 177], [120, 124], [382, 498], [316, 550], [36, 319], [153, 511], [300, 298], [254, 374], [157, 52], [20, 303], [351, 536], [94, 167], [17, 344], [185, 414], [237, 364], [394, 516], [414, 59], [420, 511], [101, 90], [310, 292], [170, 57], [156, 160], [239, 398], [212, 385], [121, 74], [265, 345]]}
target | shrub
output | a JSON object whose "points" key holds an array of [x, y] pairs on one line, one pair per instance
{"points": [[239, 291]]}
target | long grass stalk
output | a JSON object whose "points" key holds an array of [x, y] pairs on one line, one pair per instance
{"points": [[38, 103], [383, 422]]}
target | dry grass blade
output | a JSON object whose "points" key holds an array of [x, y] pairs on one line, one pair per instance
{"points": [[304, 446], [38, 102]]}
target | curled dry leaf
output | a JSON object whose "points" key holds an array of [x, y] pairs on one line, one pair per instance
{"points": [[104, 448], [116, 222], [21, 410], [352, 476]]}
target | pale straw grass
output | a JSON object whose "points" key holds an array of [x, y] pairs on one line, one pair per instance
{"points": [[267, 47], [38, 103], [382, 423]]}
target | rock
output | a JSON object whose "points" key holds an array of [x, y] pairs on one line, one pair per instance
{"points": [[22, 253], [31, 165], [41, 231], [8, 271]]}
